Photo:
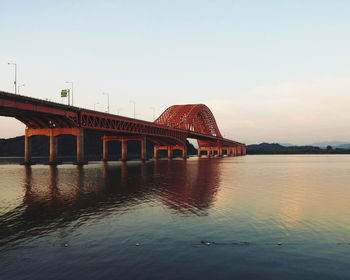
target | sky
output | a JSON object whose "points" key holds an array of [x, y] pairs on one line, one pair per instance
{"points": [[270, 71]]}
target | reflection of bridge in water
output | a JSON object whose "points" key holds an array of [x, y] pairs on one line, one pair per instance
{"points": [[78, 195]]}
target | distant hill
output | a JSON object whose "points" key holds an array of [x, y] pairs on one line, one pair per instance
{"points": [[344, 146], [286, 144], [266, 146], [334, 144], [275, 148]]}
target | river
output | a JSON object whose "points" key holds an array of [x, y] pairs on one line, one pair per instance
{"points": [[250, 217]]}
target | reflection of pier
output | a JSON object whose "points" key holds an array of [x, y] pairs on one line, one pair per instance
{"points": [[76, 194], [189, 188]]}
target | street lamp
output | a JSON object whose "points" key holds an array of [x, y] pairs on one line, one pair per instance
{"points": [[72, 89], [132, 101], [154, 112], [95, 105], [20, 87], [10, 63], [105, 93]]}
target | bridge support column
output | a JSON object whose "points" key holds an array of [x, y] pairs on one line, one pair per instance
{"points": [[143, 149], [170, 149], [199, 152], [27, 149], [124, 140], [124, 149], [104, 149], [155, 152], [52, 133], [169, 152], [219, 152], [80, 147], [184, 152], [53, 148]]}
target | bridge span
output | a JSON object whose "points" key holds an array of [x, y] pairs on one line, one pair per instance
{"points": [[168, 132]]}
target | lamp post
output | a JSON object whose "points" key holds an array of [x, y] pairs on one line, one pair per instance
{"points": [[95, 105], [72, 90], [132, 101], [20, 87], [10, 63], [118, 110], [106, 93], [154, 112]]}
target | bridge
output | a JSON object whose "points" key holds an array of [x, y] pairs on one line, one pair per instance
{"points": [[168, 132]]}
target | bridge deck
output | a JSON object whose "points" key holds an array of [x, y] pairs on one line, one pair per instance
{"points": [[38, 114]]}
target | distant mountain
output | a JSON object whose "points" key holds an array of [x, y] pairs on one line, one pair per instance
{"points": [[287, 144], [266, 146], [334, 144], [344, 146], [275, 148]]}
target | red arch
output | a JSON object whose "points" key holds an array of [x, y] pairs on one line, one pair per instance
{"points": [[193, 117]]}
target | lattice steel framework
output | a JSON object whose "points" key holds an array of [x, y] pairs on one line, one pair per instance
{"points": [[193, 117], [127, 126]]}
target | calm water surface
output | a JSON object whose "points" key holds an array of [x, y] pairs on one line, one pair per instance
{"points": [[252, 217]]}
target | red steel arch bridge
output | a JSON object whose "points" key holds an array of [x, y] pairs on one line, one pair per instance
{"points": [[168, 132]]}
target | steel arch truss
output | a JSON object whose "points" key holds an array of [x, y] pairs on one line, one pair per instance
{"points": [[192, 117]]}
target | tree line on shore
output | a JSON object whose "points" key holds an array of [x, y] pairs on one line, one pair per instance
{"points": [[275, 148]]}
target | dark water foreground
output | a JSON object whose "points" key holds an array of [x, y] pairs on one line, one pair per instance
{"points": [[253, 217]]}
